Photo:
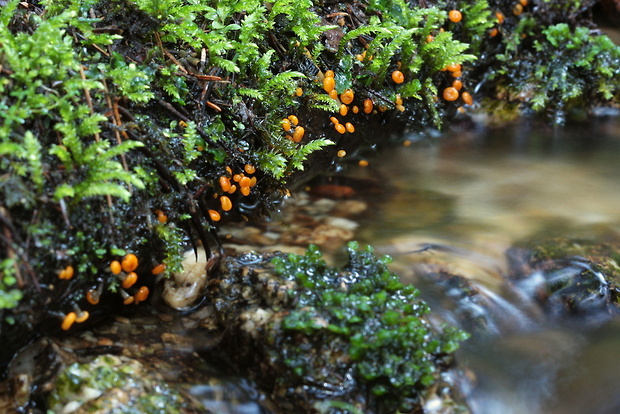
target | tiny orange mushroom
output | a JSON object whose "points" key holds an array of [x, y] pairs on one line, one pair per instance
{"points": [[115, 267], [244, 182], [344, 110], [329, 84], [249, 168], [298, 134], [68, 321], [450, 94], [93, 296], [130, 280], [215, 216], [294, 120], [82, 316], [398, 77], [349, 127], [129, 263], [455, 16], [368, 105], [142, 294], [226, 203], [158, 269], [467, 98], [225, 183], [340, 128], [347, 96], [245, 191]]}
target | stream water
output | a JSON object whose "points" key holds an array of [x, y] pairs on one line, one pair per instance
{"points": [[465, 197]]}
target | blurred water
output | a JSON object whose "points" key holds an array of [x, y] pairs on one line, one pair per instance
{"points": [[465, 198]]}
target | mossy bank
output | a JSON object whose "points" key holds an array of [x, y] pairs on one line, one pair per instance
{"points": [[129, 130]]}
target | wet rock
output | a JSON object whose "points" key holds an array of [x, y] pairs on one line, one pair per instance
{"points": [[185, 288], [299, 352], [569, 276]]}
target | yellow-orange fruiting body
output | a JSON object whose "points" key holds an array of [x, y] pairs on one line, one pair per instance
{"points": [[226, 203], [456, 74], [340, 128], [161, 216], [457, 84], [400, 108], [229, 170], [249, 168], [215, 216], [429, 38], [130, 280], [329, 84], [523, 2], [93, 296], [68, 321], [333, 94], [253, 181], [334, 120], [245, 191], [158, 269], [115, 267], [232, 189], [363, 163], [329, 74], [467, 98], [398, 77], [500, 17], [347, 96], [344, 110], [368, 106], [455, 16], [244, 182], [349, 127], [450, 94], [286, 124], [225, 183], [128, 300], [129, 263], [454, 68], [142, 294], [493, 32], [82, 317], [294, 120], [398, 100], [298, 134], [355, 109], [341, 153], [299, 91], [237, 177], [517, 9]]}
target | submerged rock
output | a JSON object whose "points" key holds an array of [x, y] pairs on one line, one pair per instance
{"points": [[568, 276]]}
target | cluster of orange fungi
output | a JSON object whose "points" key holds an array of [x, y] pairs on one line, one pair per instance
{"points": [[229, 184], [124, 270]]}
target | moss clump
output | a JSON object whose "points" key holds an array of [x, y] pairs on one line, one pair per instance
{"points": [[550, 60], [364, 323], [315, 336]]}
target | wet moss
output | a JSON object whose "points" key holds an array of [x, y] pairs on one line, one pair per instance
{"points": [[353, 335], [112, 111]]}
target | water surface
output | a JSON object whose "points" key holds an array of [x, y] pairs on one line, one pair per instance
{"points": [[469, 195]]}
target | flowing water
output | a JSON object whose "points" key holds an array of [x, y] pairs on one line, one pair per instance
{"points": [[463, 199]]}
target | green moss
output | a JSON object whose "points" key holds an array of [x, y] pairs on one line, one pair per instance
{"points": [[363, 321], [96, 386]]}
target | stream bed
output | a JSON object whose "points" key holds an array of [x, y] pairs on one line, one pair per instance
{"points": [[459, 201]]}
